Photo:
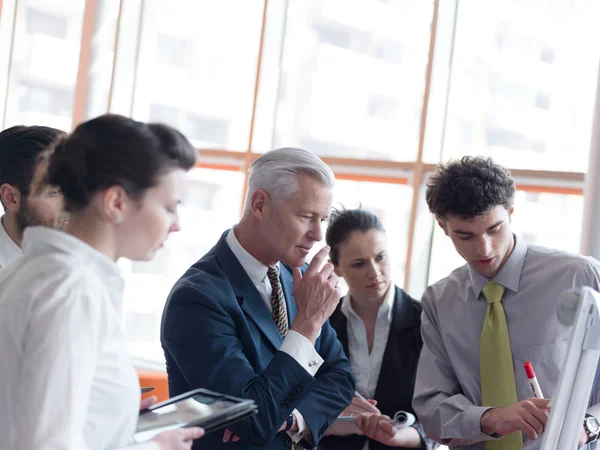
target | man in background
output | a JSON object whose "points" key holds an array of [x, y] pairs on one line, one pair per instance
{"points": [[25, 196]]}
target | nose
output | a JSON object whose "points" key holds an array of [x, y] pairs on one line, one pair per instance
{"points": [[315, 232], [483, 246], [374, 270], [176, 225]]}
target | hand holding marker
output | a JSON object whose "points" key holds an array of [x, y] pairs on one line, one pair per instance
{"points": [[533, 382]]}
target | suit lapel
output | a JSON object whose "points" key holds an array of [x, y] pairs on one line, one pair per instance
{"points": [[247, 295]]}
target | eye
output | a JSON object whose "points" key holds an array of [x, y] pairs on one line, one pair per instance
{"points": [[53, 192], [357, 265], [380, 257], [496, 230], [466, 238]]}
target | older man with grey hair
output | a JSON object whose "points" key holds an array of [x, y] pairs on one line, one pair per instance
{"points": [[249, 319]]}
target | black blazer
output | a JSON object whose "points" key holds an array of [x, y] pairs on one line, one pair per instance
{"points": [[396, 382]]}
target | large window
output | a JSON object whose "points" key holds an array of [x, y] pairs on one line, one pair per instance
{"points": [[197, 68], [519, 91], [381, 90], [43, 67]]}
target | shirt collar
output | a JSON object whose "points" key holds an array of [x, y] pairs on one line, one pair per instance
{"points": [[386, 307], [510, 274], [256, 270], [9, 251], [40, 239]]}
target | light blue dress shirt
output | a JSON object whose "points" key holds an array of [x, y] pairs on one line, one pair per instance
{"points": [[447, 395]]}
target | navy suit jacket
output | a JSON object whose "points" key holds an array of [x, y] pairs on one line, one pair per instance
{"points": [[396, 381], [217, 333]]}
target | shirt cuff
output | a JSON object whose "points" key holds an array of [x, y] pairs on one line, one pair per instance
{"points": [[302, 350], [472, 423], [297, 436]]}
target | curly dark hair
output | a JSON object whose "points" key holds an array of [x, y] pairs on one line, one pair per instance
{"points": [[469, 187]]}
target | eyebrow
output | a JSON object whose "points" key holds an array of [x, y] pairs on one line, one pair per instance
{"points": [[468, 233], [362, 259]]}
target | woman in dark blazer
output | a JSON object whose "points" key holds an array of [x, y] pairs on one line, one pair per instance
{"points": [[378, 325]]}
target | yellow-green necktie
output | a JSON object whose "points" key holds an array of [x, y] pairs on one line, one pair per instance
{"points": [[498, 385]]}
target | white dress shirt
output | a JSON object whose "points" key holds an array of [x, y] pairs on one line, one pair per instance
{"points": [[294, 344], [366, 365], [9, 251], [66, 379]]}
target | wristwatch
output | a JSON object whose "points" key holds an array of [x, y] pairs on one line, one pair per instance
{"points": [[591, 427]]}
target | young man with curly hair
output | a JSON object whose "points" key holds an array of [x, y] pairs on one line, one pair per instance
{"points": [[482, 322]]}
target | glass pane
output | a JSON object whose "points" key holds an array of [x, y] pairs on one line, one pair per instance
{"points": [[197, 68], [523, 82], [394, 216], [212, 205], [44, 63], [353, 77], [535, 220]]}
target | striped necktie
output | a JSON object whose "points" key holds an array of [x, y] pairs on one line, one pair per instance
{"points": [[498, 385], [277, 301]]}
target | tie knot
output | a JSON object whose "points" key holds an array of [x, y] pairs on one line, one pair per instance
{"points": [[493, 292]]}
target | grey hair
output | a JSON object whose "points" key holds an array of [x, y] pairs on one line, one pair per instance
{"points": [[276, 172]]}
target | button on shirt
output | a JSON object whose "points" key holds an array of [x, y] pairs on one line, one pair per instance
{"points": [[366, 366], [447, 392], [9, 251], [66, 378], [294, 344]]}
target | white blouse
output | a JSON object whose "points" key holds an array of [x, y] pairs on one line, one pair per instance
{"points": [[66, 379], [9, 251]]}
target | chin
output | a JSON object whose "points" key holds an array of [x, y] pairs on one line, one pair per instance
{"points": [[294, 261]]}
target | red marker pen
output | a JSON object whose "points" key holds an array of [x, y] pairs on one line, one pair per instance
{"points": [[533, 382]]}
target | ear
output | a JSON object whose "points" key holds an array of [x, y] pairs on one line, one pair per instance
{"points": [[11, 197], [336, 269], [115, 204], [510, 212], [259, 201], [442, 224]]}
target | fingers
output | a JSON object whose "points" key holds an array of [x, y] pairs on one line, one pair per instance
{"points": [[297, 275], [317, 260], [327, 271], [387, 428], [227, 435], [189, 434], [530, 431], [534, 423], [372, 402], [542, 403], [361, 422], [148, 402]]}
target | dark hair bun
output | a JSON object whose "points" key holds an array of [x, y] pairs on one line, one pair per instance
{"points": [[68, 171], [113, 150]]}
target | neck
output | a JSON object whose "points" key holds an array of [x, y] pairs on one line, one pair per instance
{"points": [[94, 232], [367, 309], [248, 236], [9, 222]]}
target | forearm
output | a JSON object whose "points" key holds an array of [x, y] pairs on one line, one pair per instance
{"points": [[452, 420], [321, 406], [408, 438]]}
